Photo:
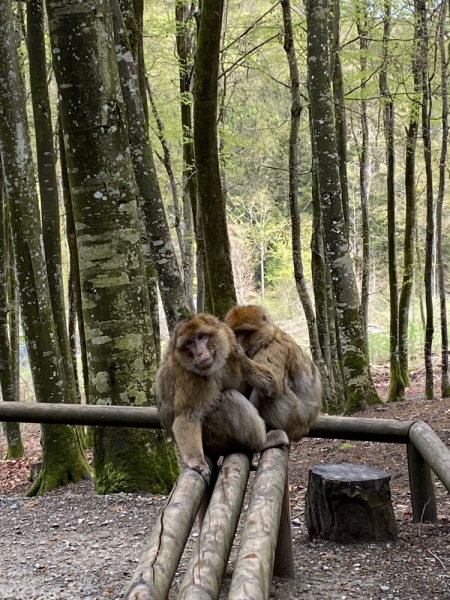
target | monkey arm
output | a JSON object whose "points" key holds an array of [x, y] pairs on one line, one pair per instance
{"points": [[187, 430], [262, 377]]}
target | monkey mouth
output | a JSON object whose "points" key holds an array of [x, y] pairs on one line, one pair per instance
{"points": [[205, 363]]}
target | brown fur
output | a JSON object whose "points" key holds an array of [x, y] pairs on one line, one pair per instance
{"points": [[199, 389], [292, 397]]}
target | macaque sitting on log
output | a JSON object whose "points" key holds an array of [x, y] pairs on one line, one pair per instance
{"points": [[294, 399], [199, 394]]}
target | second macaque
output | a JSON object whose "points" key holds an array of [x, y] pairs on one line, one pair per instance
{"points": [[294, 398], [199, 389]]}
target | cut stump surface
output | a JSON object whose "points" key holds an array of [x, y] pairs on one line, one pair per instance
{"points": [[349, 503]]}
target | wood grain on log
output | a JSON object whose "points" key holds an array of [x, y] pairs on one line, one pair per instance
{"points": [[349, 503], [254, 563], [206, 567], [154, 574]]}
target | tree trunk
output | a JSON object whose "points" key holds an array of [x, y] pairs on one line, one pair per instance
{"points": [[116, 308], [396, 385], [426, 137], [359, 386], [7, 375], [73, 259], [410, 216], [445, 385], [187, 256], [339, 105], [150, 200], [213, 210], [364, 166], [62, 457], [302, 290], [48, 185]]}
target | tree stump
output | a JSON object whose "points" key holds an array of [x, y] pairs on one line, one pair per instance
{"points": [[349, 503]]}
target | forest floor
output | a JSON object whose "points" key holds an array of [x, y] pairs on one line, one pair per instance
{"points": [[74, 544]]}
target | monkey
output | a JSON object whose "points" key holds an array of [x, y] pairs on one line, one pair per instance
{"points": [[293, 399], [199, 395]]}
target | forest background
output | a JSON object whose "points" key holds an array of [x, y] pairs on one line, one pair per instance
{"points": [[290, 154]]}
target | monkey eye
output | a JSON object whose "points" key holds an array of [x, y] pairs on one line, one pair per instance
{"points": [[202, 336], [189, 343]]}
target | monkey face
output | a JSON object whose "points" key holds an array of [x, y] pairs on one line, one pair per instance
{"points": [[201, 344]]}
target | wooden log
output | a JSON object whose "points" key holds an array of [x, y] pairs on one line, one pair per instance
{"points": [[434, 451], [206, 567], [423, 498], [154, 574], [349, 503], [254, 563], [365, 429], [80, 414], [284, 555]]}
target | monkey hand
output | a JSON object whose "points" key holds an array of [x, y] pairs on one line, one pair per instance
{"points": [[203, 469], [240, 352], [276, 437]]}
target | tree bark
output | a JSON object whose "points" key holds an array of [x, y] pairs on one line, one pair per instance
{"points": [[410, 215], [48, 185], [116, 308], [359, 386], [396, 385], [7, 375], [364, 166], [445, 385], [213, 210], [302, 289], [150, 199], [426, 138], [62, 457]]}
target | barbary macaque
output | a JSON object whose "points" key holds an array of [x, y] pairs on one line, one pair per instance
{"points": [[293, 401], [199, 394]]}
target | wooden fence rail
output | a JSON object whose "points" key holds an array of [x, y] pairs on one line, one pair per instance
{"points": [[425, 449]]}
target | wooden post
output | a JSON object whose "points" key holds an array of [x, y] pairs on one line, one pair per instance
{"points": [[433, 449], [206, 567], [421, 482], [284, 556], [154, 574], [254, 563]]}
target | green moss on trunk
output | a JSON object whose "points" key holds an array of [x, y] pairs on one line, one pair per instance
{"points": [[134, 460], [62, 460]]}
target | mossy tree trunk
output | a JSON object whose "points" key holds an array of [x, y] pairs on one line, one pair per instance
{"points": [[302, 289], [62, 457], [429, 243], [116, 308], [212, 205], [410, 215], [149, 194], [364, 166], [48, 185], [445, 385], [360, 390], [7, 375], [396, 385], [184, 17]]}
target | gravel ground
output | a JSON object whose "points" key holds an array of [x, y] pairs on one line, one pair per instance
{"points": [[72, 544]]}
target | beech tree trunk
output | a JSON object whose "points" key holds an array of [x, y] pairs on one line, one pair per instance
{"points": [[445, 385], [426, 138], [410, 215], [396, 385], [116, 308], [360, 390], [62, 457], [212, 206], [48, 184]]}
